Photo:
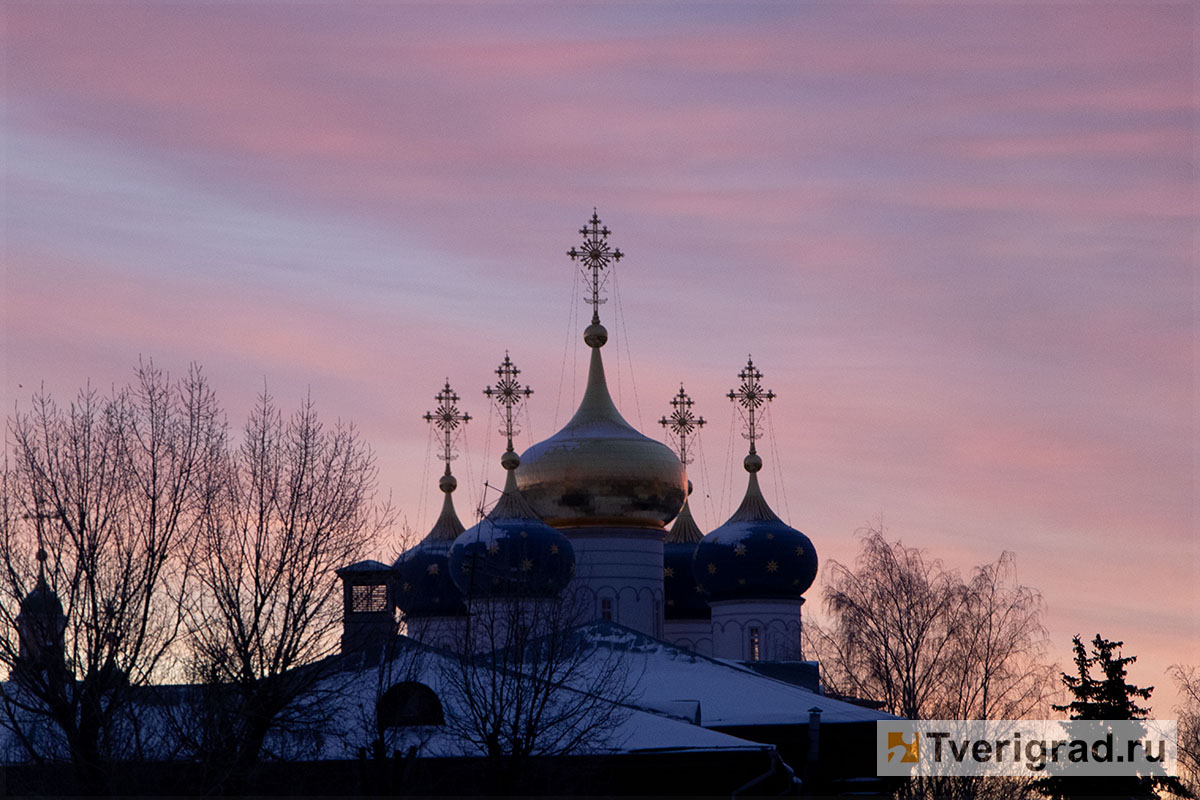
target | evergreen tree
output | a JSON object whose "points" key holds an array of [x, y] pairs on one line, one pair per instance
{"points": [[1110, 698], [1106, 697]]}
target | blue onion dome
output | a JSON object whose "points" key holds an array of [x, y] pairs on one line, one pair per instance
{"points": [[598, 470], [510, 552], [422, 585], [684, 597], [42, 601], [755, 554]]}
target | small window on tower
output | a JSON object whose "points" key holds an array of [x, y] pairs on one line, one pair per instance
{"points": [[606, 609], [755, 653], [368, 598]]}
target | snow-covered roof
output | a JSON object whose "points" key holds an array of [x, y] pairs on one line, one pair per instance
{"points": [[641, 729], [671, 690], [728, 693]]}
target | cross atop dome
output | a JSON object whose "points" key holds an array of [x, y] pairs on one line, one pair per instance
{"points": [[598, 471], [447, 418], [750, 396], [595, 255], [507, 394], [682, 422]]}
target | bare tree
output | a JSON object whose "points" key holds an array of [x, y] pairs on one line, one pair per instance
{"points": [[909, 633], [525, 683], [294, 503], [1187, 679], [894, 623], [926, 644], [100, 509], [998, 664]]}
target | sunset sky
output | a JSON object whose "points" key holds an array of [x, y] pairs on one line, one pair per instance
{"points": [[957, 240]]}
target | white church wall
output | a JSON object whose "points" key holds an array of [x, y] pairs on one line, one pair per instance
{"points": [[444, 632], [757, 630], [622, 566]]}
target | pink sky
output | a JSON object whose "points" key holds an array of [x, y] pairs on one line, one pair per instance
{"points": [[956, 239]]}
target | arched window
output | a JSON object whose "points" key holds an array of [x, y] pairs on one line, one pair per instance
{"points": [[409, 703]]}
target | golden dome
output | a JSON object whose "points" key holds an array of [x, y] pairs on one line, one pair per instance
{"points": [[598, 470]]}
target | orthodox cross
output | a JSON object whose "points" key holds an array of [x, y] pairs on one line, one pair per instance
{"points": [[507, 393], [38, 517], [682, 422], [446, 418], [750, 397], [595, 254]]}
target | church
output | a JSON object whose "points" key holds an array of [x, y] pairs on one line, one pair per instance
{"points": [[585, 624], [595, 519], [599, 511]]}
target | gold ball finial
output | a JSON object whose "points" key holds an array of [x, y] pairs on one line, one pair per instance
{"points": [[595, 335]]}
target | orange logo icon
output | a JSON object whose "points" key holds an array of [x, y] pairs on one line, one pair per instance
{"points": [[911, 749]]}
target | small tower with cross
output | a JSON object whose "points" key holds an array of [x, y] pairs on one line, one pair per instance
{"points": [[41, 626], [510, 566], [687, 617], [755, 568], [422, 590]]}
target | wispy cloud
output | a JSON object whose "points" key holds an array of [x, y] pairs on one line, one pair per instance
{"points": [[958, 240]]}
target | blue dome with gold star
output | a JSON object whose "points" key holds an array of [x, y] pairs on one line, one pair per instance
{"points": [[422, 584], [511, 553], [755, 554]]}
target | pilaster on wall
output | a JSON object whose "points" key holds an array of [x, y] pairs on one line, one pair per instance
{"points": [[757, 630], [690, 634]]}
